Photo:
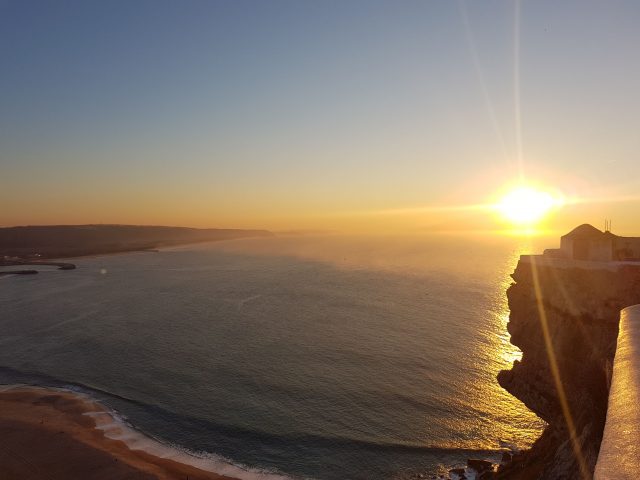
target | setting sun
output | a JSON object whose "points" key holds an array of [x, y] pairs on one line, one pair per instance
{"points": [[526, 205]]}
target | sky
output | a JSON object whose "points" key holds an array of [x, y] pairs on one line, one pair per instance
{"points": [[330, 115]]}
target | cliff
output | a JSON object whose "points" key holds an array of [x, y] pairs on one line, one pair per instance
{"points": [[579, 308]]}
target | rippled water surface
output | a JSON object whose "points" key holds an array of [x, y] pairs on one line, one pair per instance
{"points": [[317, 357]]}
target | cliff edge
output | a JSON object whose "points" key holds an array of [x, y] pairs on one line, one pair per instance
{"points": [[568, 316]]}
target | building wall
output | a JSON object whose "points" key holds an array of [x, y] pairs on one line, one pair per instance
{"points": [[627, 248], [566, 246], [593, 249], [601, 250]]}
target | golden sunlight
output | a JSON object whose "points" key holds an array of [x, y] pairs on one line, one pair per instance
{"points": [[526, 205]]}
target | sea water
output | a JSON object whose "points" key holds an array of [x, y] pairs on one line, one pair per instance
{"points": [[324, 357]]}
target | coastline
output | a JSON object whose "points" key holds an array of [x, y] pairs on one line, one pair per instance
{"points": [[48, 242], [55, 261], [58, 434]]}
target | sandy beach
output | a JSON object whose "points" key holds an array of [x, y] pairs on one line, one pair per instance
{"points": [[47, 435]]}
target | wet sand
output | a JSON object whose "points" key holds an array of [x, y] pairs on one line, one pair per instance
{"points": [[46, 435]]}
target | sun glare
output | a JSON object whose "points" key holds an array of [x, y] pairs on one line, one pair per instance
{"points": [[526, 206]]}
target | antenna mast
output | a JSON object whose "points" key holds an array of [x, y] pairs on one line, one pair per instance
{"points": [[607, 225]]}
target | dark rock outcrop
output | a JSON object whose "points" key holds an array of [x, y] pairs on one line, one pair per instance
{"points": [[480, 466], [568, 316]]}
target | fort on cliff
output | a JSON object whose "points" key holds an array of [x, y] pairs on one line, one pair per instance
{"points": [[565, 308], [588, 243]]}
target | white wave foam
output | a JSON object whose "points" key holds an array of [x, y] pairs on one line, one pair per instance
{"points": [[116, 427]]}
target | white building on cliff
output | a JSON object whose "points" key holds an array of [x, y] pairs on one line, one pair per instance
{"points": [[586, 242]]}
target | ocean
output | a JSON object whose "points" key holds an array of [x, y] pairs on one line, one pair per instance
{"points": [[323, 357]]}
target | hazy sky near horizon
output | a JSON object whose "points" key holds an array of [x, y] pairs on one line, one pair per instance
{"points": [[303, 115]]}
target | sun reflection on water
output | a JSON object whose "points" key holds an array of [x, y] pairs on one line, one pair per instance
{"points": [[510, 353], [520, 427]]}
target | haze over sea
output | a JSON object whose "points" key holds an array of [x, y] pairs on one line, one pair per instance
{"points": [[325, 357]]}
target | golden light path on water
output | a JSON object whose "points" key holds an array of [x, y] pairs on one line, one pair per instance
{"points": [[516, 421]]}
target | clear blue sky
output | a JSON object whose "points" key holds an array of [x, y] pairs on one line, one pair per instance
{"points": [[299, 113]]}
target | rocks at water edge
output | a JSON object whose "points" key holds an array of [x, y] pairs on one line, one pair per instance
{"points": [[459, 473], [480, 466]]}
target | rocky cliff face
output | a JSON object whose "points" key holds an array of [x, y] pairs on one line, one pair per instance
{"points": [[582, 310]]}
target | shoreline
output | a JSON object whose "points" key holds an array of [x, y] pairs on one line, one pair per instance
{"points": [[47, 242], [55, 260], [67, 434]]}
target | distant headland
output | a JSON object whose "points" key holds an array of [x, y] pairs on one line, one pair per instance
{"points": [[32, 245]]}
